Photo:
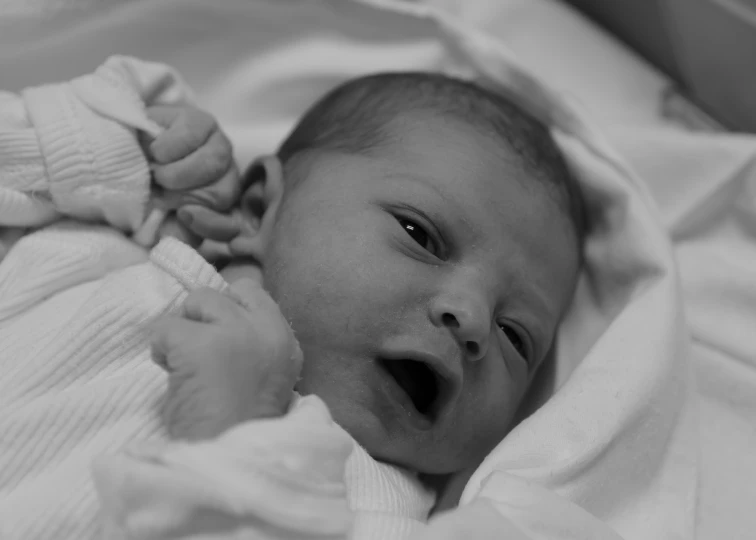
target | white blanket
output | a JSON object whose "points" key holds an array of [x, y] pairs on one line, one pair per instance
{"points": [[650, 433]]}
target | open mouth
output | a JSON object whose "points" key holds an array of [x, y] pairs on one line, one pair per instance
{"points": [[419, 381]]}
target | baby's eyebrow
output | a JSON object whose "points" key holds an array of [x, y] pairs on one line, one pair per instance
{"points": [[426, 181], [462, 217]]}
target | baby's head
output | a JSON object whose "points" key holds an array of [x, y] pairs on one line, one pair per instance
{"points": [[422, 236]]}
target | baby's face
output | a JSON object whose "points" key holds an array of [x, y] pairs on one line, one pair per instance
{"points": [[425, 286]]}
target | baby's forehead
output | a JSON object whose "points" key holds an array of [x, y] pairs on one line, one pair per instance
{"points": [[479, 160], [442, 154], [449, 152], [459, 158]]}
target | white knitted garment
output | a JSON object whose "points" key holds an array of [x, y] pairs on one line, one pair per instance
{"points": [[76, 304]]}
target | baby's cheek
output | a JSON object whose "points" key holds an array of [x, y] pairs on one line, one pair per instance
{"points": [[495, 394]]}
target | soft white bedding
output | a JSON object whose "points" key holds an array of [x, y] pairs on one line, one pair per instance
{"points": [[652, 435]]}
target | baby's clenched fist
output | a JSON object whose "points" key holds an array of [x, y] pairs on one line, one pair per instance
{"points": [[230, 358]]}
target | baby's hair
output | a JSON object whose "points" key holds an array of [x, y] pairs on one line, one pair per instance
{"points": [[356, 118]]}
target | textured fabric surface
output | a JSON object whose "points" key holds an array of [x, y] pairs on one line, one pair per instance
{"points": [[655, 369], [76, 306]]}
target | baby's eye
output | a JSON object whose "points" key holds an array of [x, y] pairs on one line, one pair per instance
{"points": [[419, 235], [515, 339]]}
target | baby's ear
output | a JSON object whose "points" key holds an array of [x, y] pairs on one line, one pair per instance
{"points": [[263, 191]]}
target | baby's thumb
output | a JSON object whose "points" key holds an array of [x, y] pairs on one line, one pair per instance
{"points": [[170, 335], [247, 292]]}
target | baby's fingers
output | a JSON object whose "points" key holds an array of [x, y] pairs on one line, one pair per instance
{"points": [[187, 129], [206, 165], [174, 228], [171, 336], [222, 194], [250, 295], [209, 224], [210, 306]]}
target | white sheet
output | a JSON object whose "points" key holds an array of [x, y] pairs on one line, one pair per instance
{"points": [[619, 449]]}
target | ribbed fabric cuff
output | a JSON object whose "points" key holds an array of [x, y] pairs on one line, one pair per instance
{"points": [[24, 210], [380, 526], [21, 163], [388, 502], [186, 265], [379, 487], [95, 166], [23, 195]]}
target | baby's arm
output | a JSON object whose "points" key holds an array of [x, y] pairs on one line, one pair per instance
{"points": [[61, 155], [231, 359], [71, 149], [230, 356]]}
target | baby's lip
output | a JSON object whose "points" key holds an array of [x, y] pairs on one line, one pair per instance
{"points": [[447, 378], [447, 369]]}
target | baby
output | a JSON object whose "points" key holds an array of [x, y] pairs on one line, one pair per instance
{"points": [[424, 244], [421, 236]]}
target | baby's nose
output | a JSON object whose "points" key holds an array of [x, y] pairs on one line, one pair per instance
{"points": [[468, 322]]}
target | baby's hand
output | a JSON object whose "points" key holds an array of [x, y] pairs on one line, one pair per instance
{"points": [[193, 166], [231, 358]]}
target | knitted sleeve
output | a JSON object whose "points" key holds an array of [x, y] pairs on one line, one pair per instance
{"points": [[272, 478], [71, 149]]}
